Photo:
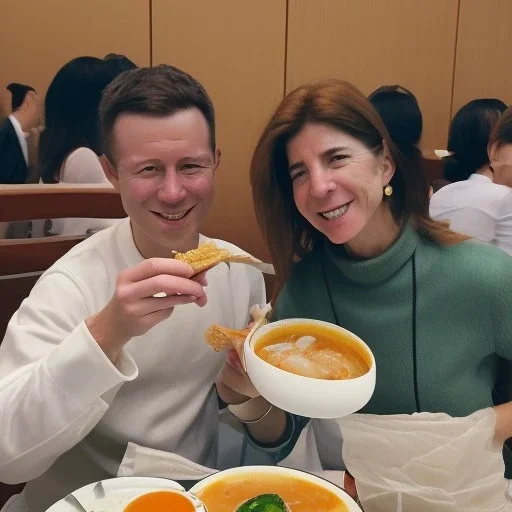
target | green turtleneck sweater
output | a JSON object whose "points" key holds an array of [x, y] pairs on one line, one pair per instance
{"points": [[436, 318]]}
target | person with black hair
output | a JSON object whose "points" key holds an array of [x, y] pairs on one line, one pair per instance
{"points": [[474, 205], [70, 144], [500, 149], [119, 62], [23, 123], [18, 92], [400, 111]]}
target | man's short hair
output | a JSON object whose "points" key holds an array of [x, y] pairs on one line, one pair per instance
{"points": [[159, 91]]}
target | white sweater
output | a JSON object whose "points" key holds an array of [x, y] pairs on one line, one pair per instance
{"points": [[67, 413], [476, 207], [81, 166]]}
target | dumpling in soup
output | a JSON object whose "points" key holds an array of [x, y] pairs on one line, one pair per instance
{"points": [[313, 351]]}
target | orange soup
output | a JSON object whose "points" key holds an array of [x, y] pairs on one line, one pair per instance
{"points": [[313, 351], [229, 493], [160, 501]]}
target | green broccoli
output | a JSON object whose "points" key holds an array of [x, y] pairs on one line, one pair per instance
{"points": [[264, 503]]}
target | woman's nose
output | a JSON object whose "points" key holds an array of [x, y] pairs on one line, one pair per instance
{"points": [[320, 182]]}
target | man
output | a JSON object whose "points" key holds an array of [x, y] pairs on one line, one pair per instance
{"points": [[18, 129], [96, 357]]}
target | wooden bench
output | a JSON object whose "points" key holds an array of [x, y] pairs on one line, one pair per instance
{"points": [[23, 260]]}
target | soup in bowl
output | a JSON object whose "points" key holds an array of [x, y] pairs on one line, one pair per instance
{"points": [[228, 491], [310, 367]]}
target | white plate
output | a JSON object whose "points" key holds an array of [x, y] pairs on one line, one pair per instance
{"points": [[278, 470], [118, 493]]}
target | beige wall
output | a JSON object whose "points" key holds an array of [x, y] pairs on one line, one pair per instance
{"points": [[237, 51], [37, 38], [373, 43], [248, 53], [484, 52]]}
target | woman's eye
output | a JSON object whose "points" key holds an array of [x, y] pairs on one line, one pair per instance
{"points": [[296, 174], [338, 158]]}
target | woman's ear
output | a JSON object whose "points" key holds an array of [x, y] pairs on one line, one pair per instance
{"points": [[491, 151], [110, 171], [387, 165]]}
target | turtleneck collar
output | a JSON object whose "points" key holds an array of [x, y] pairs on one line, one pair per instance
{"points": [[375, 270]]}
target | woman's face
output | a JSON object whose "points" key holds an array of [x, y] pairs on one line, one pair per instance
{"points": [[337, 181], [501, 163]]}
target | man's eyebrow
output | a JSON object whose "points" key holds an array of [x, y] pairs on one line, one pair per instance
{"points": [[203, 157], [135, 161]]}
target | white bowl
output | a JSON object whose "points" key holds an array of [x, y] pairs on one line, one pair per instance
{"points": [[340, 493], [305, 396], [119, 492]]}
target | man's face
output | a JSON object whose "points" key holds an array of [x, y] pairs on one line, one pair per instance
{"points": [[164, 171]]}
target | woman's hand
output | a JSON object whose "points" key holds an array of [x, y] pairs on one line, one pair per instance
{"points": [[265, 423], [233, 383]]}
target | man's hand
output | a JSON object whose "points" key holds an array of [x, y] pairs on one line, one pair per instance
{"points": [[133, 310], [28, 114]]}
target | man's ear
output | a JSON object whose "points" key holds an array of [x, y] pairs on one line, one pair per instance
{"points": [[218, 154], [388, 165], [110, 171]]}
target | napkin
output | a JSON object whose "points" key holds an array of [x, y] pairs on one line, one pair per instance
{"points": [[425, 462], [318, 451], [143, 461]]}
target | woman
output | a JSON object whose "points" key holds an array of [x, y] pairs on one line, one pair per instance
{"points": [[69, 146], [500, 149], [345, 216], [474, 205], [401, 114]]}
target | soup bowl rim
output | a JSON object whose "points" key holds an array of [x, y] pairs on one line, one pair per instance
{"points": [[299, 473], [249, 345]]}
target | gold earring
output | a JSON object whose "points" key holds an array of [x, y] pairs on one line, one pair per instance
{"points": [[388, 190]]}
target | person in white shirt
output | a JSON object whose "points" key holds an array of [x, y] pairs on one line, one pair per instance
{"points": [[69, 148], [500, 156], [500, 149], [474, 205], [95, 357], [19, 135]]}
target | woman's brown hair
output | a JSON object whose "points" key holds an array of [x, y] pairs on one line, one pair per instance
{"points": [[336, 103]]}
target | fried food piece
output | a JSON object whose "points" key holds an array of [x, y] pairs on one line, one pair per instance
{"points": [[206, 256], [220, 338]]}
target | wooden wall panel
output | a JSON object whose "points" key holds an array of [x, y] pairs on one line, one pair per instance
{"points": [[237, 51], [37, 38], [484, 52], [372, 43]]}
